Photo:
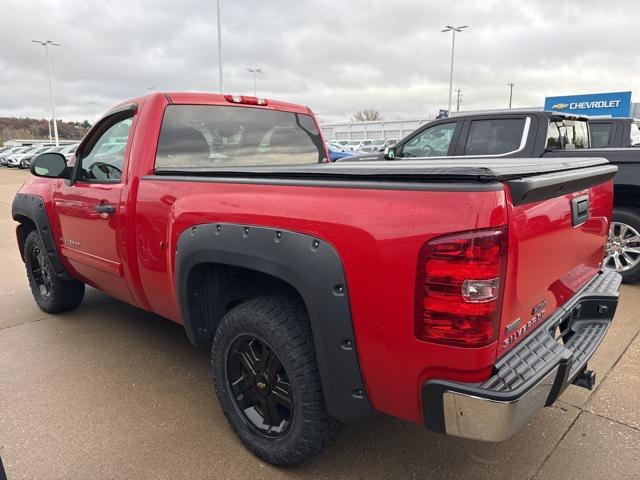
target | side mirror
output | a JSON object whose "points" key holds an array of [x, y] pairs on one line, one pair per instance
{"points": [[50, 165], [390, 153]]}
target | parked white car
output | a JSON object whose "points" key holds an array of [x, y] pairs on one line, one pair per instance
{"points": [[69, 150]]}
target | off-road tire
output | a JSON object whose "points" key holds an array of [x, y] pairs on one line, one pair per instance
{"points": [[62, 295], [281, 323]]}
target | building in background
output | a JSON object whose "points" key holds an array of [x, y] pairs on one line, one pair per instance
{"points": [[378, 130]]}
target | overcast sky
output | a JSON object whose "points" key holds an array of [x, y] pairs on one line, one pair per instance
{"points": [[335, 56]]}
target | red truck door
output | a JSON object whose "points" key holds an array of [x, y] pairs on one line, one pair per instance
{"points": [[89, 210]]}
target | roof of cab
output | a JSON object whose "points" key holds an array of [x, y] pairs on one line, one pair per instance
{"points": [[201, 98], [196, 98], [539, 113]]}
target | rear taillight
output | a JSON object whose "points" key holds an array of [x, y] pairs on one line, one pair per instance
{"points": [[460, 282], [245, 99]]}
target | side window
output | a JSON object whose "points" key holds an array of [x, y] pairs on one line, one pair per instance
{"points": [[494, 137], [581, 138], [105, 159], [554, 140], [635, 135], [567, 135], [432, 142], [600, 134]]}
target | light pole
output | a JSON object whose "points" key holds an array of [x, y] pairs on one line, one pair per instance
{"points": [[49, 124], [46, 44], [511, 85], [93, 108], [459, 92], [254, 71], [220, 82], [453, 30]]}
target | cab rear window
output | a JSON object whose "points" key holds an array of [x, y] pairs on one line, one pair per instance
{"points": [[203, 136]]}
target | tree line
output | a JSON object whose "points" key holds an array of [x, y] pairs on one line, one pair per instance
{"points": [[37, 129]]}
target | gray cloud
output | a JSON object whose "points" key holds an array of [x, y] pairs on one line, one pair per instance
{"points": [[335, 56]]}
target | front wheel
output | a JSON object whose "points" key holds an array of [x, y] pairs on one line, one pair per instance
{"points": [[52, 294], [622, 252], [267, 380]]}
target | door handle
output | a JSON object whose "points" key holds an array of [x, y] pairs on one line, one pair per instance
{"points": [[105, 209]]}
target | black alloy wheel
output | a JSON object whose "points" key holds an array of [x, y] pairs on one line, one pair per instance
{"points": [[261, 389], [51, 293], [40, 275]]}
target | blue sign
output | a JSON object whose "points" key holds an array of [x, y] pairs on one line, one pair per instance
{"points": [[614, 104], [443, 114]]}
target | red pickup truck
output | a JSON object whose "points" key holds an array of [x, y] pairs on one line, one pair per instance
{"points": [[462, 294]]}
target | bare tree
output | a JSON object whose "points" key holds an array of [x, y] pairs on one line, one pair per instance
{"points": [[366, 115]]}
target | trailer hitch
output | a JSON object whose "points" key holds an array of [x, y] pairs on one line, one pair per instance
{"points": [[585, 379]]}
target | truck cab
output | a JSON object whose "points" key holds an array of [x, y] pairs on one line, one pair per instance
{"points": [[503, 134]]}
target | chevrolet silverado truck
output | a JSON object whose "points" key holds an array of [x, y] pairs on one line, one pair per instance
{"points": [[465, 295], [529, 134]]}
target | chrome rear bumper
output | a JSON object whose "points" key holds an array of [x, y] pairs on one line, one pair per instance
{"points": [[529, 377]]}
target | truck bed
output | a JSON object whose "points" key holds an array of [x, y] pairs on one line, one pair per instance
{"points": [[528, 180], [478, 169]]}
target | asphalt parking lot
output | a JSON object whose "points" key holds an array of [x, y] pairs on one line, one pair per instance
{"points": [[110, 391]]}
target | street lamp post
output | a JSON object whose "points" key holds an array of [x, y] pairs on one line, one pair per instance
{"points": [[254, 71], [49, 125], [221, 83], [459, 92], [46, 44], [453, 30], [511, 85]]}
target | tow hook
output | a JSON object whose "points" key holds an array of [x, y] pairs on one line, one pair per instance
{"points": [[585, 379]]}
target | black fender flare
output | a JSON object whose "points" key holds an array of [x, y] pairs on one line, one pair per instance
{"points": [[311, 266], [32, 207]]}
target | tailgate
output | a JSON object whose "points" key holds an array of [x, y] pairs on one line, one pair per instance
{"points": [[558, 225]]}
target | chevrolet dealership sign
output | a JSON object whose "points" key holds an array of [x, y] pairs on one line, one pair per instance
{"points": [[615, 104]]}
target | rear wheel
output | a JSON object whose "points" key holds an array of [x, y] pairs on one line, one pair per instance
{"points": [[623, 245], [267, 381], [52, 294]]}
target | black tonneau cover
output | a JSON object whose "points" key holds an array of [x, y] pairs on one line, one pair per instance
{"points": [[528, 179], [474, 169]]}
